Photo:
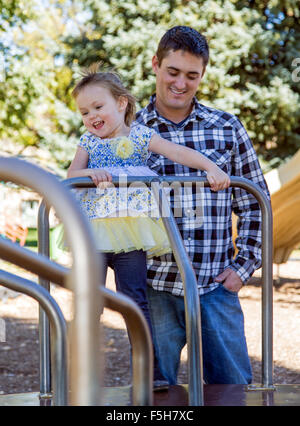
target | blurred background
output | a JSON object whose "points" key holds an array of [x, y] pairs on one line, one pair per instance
{"points": [[254, 72], [254, 46]]}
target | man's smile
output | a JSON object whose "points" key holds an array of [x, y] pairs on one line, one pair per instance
{"points": [[177, 92]]}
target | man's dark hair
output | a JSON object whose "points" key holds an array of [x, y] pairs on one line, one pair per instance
{"points": [[183, 38]]}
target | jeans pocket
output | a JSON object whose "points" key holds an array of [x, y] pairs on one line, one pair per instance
{"points": [[232, 293]]}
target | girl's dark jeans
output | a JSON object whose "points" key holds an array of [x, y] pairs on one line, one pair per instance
{"points": [[130, 271]]}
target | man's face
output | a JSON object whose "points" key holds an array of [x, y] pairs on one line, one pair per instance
{"points": [[177, 80]]}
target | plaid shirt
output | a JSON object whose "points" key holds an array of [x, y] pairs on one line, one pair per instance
{"points": [[222, 138]]}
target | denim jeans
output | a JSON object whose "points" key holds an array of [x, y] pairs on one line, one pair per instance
{"points": [[225, 354], [130, 270]]}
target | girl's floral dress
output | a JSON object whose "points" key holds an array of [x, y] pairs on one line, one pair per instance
{"points": [[123, 219]]}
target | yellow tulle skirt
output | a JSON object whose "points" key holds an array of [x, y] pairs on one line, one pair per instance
{"points": [[124, 234]]}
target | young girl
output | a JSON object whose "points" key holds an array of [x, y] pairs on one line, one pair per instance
{"points": [[122, 219]]}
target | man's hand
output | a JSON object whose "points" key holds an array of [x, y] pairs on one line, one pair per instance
{"points": [[230, 279]]}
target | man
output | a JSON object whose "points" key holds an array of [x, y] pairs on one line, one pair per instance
{"points": [[175, 113]]}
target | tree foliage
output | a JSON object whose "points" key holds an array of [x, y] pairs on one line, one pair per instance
{"points": [[35, 105], [253, 46]]}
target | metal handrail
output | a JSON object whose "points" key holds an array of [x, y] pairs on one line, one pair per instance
{"points": [[193, 318], [85, 275], [57, 320], [141, 344], [266, 267], [191, 301], [194, 339], [138, 329], [35, 263]]}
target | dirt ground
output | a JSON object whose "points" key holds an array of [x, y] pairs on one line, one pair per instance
{"points": [[19, 348]]}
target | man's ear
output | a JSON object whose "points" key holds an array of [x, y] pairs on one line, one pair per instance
{"points": [[122, 103], [155, 64]]}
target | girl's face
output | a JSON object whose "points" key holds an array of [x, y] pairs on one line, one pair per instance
{"points": [[102, 114]]}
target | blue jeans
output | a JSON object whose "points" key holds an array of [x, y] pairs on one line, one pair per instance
{"points": [[225, 354], [130, 270]]}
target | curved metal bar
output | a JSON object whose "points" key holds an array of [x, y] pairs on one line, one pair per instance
{"points": [[267, 266], [191, 303], [142, 354], [57, 320], [137, 326], [194, 336], [85, 338], [191, 297], [267, 277], [44, 326], [47, 270], [267, 261], [34, 262]]}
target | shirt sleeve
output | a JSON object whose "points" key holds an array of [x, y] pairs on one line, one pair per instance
{"points": [[144, 135], [85, 142], [246, 207]]}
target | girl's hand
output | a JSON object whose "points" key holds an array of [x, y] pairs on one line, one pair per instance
{"points": [[217, 178], [100, 177]]}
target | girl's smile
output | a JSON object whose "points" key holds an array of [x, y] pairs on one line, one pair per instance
{"points": [[98, 124]]}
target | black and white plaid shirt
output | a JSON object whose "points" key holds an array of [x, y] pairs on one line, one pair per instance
{"points": [[222, 138]]}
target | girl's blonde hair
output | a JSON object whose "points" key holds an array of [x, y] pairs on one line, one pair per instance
{"points": [[111, 81]]}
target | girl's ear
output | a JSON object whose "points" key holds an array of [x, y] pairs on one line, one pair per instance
{"points": [[122, 103]]}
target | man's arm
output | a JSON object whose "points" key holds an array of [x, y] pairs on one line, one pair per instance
{"points": [[217, 179]]}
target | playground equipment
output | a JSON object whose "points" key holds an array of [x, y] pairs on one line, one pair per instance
{"points": [[85, 380], [284, 187], [84, 280]]}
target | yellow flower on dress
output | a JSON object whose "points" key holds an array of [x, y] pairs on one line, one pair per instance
{"points": [[124, 148]]}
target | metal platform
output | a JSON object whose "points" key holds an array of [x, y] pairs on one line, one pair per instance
{"points": [[214, 395]]}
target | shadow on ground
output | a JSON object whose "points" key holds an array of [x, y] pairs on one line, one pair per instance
{"points": [[19, 360]]}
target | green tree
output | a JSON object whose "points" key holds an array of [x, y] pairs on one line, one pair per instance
{"points": [[35, 106], [253, 45], [15, 91]]}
